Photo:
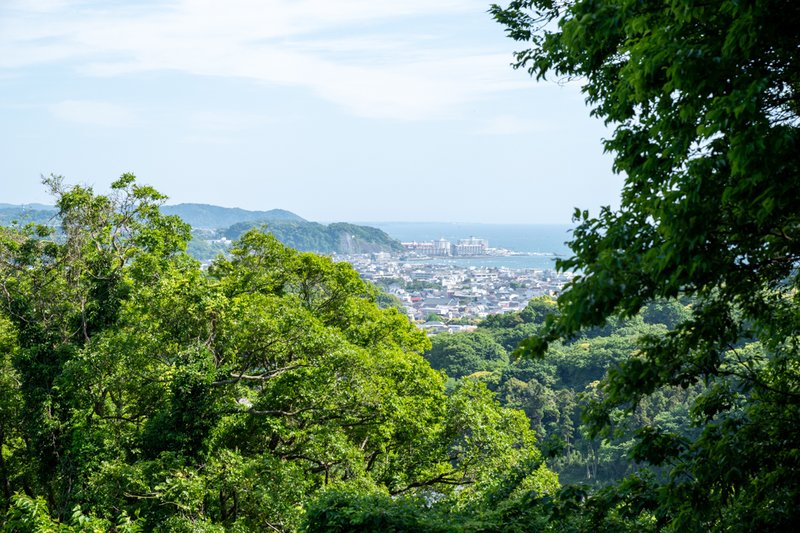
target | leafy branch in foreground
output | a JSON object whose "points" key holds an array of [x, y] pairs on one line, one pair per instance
{"points": [[702, 98]]}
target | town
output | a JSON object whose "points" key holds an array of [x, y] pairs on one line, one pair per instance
{"points": [[453, 295]]}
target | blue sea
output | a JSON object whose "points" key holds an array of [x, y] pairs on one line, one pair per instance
{"points": [[544, 242]]}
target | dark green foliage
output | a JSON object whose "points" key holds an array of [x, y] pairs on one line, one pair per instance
{"points": [[554, 392], [538, 309], [617, 489], [513, 501], [702, 97], [502, 511], [668, 313]]}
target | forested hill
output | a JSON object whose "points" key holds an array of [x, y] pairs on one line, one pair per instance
{"points": [[289, 228], [216, 217], [339, 237], [212, 222]]}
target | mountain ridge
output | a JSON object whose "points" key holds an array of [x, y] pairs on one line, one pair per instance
{"points": [[209, 216], [211, 222]]}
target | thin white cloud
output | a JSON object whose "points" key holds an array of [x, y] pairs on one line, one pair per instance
{"points": [[221, 127], [225, 121], [94, 113], [296, 43], [513, 125], [39, 6], [213, 140]]}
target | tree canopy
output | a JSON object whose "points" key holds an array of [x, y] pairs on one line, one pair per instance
{"points": [[138, 391], [702, 99]]}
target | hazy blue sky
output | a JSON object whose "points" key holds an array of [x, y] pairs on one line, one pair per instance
{"points": [[334, 109]]}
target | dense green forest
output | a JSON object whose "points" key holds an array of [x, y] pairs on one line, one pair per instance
{"points": [[553, 392], [272, 391], [143, 393]]}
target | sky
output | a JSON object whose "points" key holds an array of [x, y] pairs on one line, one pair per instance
{"points": [[337, 110]]}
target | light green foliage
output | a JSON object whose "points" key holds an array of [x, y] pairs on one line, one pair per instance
{"points": [[58, 296], [462, 354], [500, 479], [32, 514], [137, 385], [702, 98]]}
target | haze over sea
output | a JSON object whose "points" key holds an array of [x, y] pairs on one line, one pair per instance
{"points": [[547, 241]]}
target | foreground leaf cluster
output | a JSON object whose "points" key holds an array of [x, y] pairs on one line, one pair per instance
{"points": [[702, 98]]}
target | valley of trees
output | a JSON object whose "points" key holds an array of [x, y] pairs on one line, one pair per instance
{"points": [[272, 391], [553, 392]]}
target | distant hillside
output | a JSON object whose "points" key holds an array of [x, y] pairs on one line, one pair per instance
{"points": [[339, 237], [23, 214], [211, 221], [196, 215], [36, 207], [215, 217]]}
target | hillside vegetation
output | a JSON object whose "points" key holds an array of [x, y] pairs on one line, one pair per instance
{"points": [[213, 225], [204, 216], [339, 237], [555, 392]]}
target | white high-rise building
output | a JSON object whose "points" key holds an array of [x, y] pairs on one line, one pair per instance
{"points": [[442, 247]]}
